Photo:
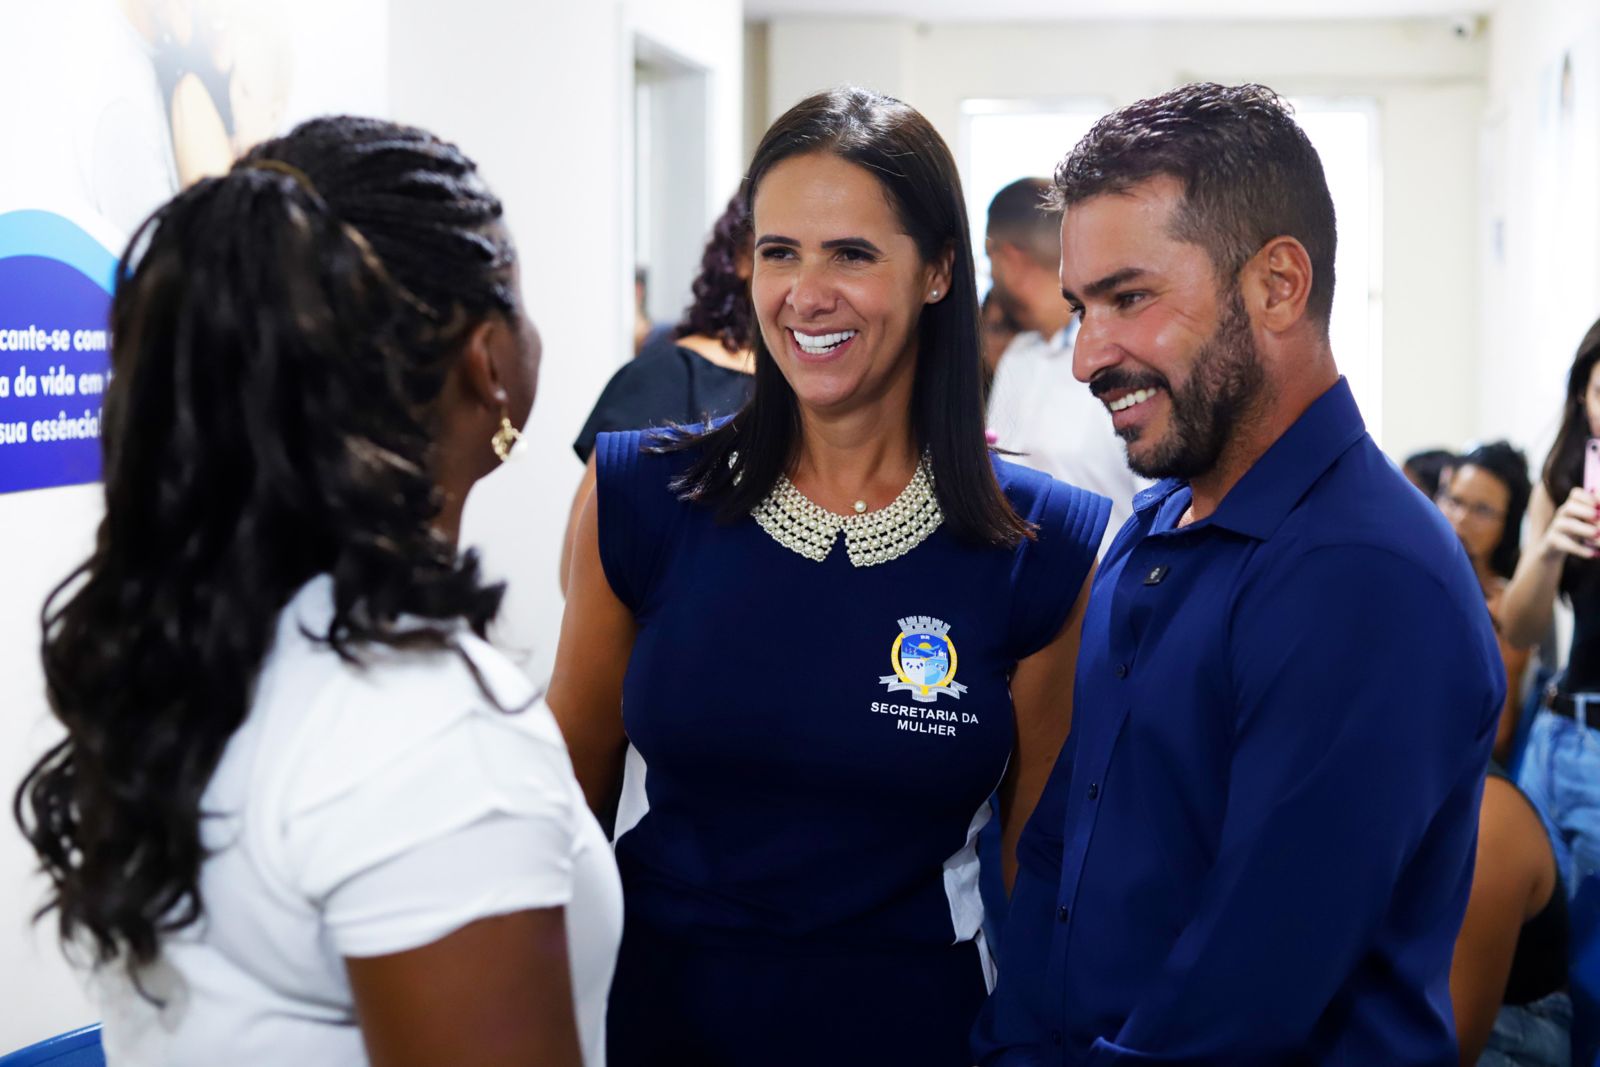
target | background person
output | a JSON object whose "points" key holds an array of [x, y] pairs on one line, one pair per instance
{"points": [[646, 334], [1508, 978], [1565, 535], [1484, 501], [700, 372], [1037, 409], [999, 330], [303, 813], [802, 886], [1560, 768]]}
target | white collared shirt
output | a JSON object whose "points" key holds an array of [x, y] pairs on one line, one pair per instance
{"points": [[1038, 410]]}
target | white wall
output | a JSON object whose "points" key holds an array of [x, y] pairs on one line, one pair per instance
{"points": [[709, 33], [1429, 84], [693, 165], [544, 103], [1539, 231], [529, 101], [756, 69], [67, 65], [43, 535]]}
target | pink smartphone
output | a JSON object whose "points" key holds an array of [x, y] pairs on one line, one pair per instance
{"points": [[1591, 466]]}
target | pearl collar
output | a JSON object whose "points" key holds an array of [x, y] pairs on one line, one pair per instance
{"points": [[870, 537]]}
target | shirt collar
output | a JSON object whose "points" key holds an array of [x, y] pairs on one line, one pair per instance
{"points": [[1262, 499]]}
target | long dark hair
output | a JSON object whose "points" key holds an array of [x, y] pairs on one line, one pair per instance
{"points": [[281, 335], [900, 148], [1510, 467], [1563, 467], [721, 305]]}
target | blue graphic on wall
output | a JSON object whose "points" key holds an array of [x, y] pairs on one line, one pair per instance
{"points": [[55, 342]]}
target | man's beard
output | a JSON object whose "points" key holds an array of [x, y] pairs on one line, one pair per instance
{"points": [[1224, 387]]}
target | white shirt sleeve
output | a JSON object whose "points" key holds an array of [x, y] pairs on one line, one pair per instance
{"points": [[488, 868], [418, 806]]}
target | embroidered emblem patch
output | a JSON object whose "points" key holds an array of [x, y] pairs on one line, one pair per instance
{"points": [[924, 661]]}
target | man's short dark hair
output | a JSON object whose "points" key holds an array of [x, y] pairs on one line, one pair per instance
{"points": [[1020, 214], [1249, 174]]}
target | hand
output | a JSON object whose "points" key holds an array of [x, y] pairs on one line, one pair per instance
{"points": [[1575, 529]]}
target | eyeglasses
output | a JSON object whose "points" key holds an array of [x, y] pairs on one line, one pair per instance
{"points": [[1475, 511]]}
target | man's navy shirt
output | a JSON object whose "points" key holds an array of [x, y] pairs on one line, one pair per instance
{"points": [[1257, 844]]}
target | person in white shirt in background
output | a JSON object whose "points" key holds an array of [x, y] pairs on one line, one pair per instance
{"points": [[1037, 409]]}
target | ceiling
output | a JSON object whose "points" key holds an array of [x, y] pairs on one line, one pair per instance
{"points": [[1100, 10]]}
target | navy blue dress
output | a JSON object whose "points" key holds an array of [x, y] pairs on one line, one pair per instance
{"points": [[820, 742]]}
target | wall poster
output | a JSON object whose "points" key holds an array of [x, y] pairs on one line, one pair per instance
{"points": [[123, 103]]}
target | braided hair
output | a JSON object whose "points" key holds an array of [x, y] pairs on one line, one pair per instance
{"points": [[282, 335]]}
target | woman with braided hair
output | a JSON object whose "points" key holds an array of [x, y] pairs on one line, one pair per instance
{"points": [[303, 813]]}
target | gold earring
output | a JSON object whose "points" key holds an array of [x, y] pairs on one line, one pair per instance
{"points": [[505, 438]]}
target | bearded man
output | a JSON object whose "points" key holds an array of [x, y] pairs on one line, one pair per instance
{"points": [[1037, 409], [1258, 843]]}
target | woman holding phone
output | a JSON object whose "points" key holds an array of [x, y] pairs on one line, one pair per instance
{"points": [[1561, 769]]}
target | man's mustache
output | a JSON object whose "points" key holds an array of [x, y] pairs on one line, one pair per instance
{"points": [[1108, 380]]}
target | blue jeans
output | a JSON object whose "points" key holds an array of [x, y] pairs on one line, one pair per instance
{"points": [[1531, 1035], [1560, 773]]}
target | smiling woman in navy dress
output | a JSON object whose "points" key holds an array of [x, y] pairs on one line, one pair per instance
{"points": [[817, 729]]}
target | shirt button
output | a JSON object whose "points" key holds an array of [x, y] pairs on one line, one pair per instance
{"points": [[1062, 913], [1094, 791], [1122, 670]]}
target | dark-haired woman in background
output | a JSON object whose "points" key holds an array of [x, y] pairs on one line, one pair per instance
{"points": [[802, 884], [1485, 499], [303, 814], [1561, 768], [1565, 521], [1509, 975], [702, 373]]}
